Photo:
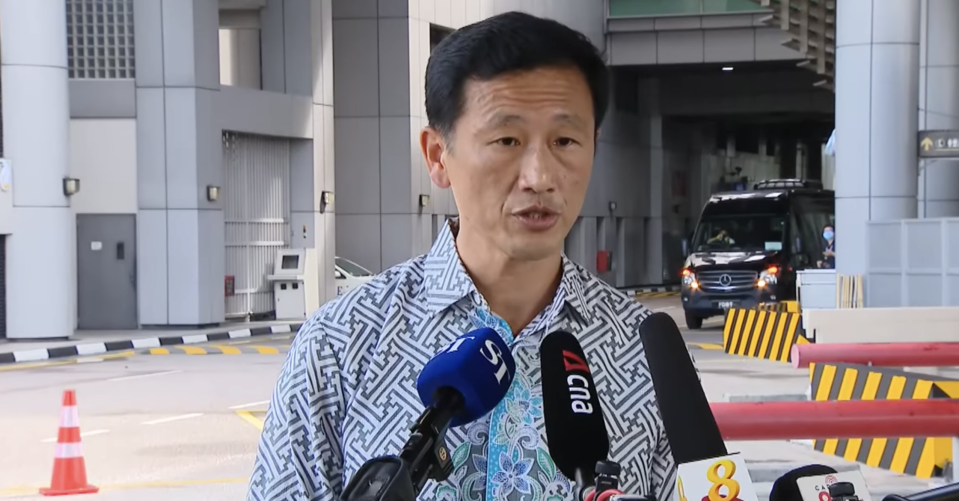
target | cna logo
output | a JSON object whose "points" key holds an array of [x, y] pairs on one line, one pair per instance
{"points": [[574, 363], [579, 385], [830, 479]]}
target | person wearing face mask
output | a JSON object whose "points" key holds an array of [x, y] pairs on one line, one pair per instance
{"points": [[829, 251]]}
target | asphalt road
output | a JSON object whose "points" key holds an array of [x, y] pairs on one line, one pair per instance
{"points": [[167, 425]]}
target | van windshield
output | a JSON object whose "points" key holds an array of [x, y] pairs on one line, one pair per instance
{"points": [[352, 268], [740, 233]]}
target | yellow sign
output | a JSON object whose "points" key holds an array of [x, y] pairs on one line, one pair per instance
{"points": [[716, 479]]}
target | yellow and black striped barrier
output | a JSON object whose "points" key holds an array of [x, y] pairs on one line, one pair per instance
{"points": [[922, 457], [787, 306], [765, 334]]}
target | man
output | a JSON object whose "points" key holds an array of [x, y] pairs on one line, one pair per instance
{"points": [[514, 105]]}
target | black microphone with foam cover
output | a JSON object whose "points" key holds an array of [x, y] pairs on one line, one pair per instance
{"points": [[688, 421], [575, 428], [785, 488]]}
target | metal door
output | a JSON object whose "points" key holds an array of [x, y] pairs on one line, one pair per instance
{"points": [[256, 205], [106, 271]]}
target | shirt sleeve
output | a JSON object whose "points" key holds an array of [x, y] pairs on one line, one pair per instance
{"points": [[300, 457], [663, 468]]}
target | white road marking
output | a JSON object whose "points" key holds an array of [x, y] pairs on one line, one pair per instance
{"points": [[141, 376], [251, 404], [82, 435], [665, 308], [173, 418]]}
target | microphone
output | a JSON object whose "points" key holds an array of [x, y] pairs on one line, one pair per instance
{"points": [[943, 493], [706, 470], [459, 385], [571, 408], [819, 483], [786, 487]]}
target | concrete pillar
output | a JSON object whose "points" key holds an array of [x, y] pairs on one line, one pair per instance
{"points": [[41, 250], [877, 94], [297, 48], [180, 234], [939, 103], [380, 53], [655, 226]]}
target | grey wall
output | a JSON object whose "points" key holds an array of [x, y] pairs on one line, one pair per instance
{"points": [[913, 263], [179, 233]]}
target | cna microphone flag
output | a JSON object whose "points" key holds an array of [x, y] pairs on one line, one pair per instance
{"points": [[722, 478]]}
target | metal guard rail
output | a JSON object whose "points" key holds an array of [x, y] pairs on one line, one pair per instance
{"points": [[878, 354], [837, 419]]}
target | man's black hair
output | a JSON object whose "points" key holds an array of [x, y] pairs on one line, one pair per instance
{"points": [[507, 43]]}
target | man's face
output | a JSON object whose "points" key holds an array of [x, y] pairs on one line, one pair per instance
{"points": [[519, 159]]}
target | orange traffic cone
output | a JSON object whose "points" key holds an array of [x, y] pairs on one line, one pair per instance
{"points": [[69, 469]]}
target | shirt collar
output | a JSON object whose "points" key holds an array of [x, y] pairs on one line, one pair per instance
{"points": [[447, 282]]}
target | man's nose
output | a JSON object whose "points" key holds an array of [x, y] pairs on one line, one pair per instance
{"points": [[538, 170]]}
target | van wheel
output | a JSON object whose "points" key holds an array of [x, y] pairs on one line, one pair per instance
{"points": [[693, 322]]}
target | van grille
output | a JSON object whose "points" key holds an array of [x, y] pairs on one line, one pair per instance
{"points": [[727, 280]]}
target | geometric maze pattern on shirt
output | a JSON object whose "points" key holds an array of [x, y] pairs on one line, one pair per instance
{"points": [[347, 391]]}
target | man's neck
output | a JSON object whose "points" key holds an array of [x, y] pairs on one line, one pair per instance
{"points": [[515, 291]]}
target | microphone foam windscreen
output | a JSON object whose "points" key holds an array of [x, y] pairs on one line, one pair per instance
{"points": [[478, 365], [785, 487], [575, 429], [688, 421]]}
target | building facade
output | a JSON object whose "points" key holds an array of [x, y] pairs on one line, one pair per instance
{"points": [[159, 153]]}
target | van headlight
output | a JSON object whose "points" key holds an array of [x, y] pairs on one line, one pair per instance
{"points": [[769, 276], [689, 279]]}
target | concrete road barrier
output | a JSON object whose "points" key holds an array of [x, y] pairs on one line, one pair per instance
{"points": [[769, 335], [883, 325], [922, 457]]}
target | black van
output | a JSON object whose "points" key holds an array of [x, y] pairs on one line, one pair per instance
{"points": [[748, 245]]}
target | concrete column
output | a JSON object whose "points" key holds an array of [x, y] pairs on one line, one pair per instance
{"points": [[297, 52], [380, 53], [877, 93], [41, 250], [180, 234], [655, 226], [939, 103]]}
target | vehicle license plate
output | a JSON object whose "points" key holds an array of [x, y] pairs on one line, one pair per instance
{"points": [[725, 305]]}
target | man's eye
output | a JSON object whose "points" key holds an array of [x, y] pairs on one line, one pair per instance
{"points": [[507, 141], [565, 141]]}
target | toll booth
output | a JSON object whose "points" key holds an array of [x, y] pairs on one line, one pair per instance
{"points": [[289, 292]]}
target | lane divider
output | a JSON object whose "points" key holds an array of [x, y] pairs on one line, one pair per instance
{"points": [[88, 349]]}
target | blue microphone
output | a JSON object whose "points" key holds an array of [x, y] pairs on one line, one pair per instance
{"points": [[470, 376], [459, 385]]}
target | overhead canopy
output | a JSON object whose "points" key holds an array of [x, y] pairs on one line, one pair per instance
{"points": [[810, 26]]}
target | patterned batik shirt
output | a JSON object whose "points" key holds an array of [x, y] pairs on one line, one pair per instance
{"points": [[347, 392]]}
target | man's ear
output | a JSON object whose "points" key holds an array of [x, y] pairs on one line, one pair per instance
{"points": [[434, 149]]}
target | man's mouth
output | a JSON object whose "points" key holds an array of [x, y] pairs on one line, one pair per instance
{"points": [[537, 218]]}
